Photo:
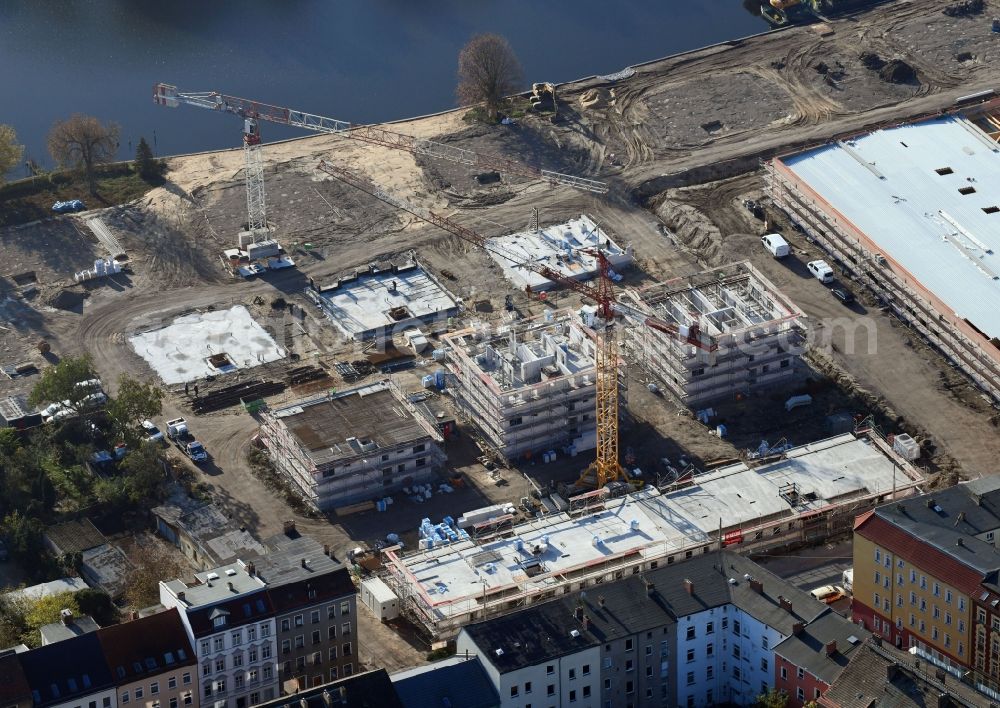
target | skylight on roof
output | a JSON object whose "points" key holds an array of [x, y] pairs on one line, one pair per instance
{"points": [[944, 171]]}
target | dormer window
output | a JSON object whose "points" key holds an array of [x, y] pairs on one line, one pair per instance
{"points": [[219, 621]]}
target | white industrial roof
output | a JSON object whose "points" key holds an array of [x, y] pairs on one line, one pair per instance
{"points": [[455, 576], [379, 590], [889, 184]]}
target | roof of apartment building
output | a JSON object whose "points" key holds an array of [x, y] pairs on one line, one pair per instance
{"points": [[14, 686], [67, 628], [299, 573], [351, 423], [372, 689], [937, 531], [824, 646], [459, 682], [61, 672], [238, 612], [217, 585], [635, 604], [146, 646], [880, 676]]}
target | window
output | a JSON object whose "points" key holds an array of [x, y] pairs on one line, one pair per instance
{"points": [[572, 696], [238, 681], [736, 627], [709, 672], [205, 647], [736, 673], [690, 633], [253, 653], [125, 698], [550, 669], [208, 689], [690, 678], [937, 590], [586, 669], [628, 644], [252, 676], [346, 648], [314, 617], [961, 604], [286, 625], [317, 658], [186, 678], [550, 690], [944, 171], [527, 686], [878, 555], [913, 576], [990, 210], [333, 653], [572, 674], [219, 621], [736, 651], [286, 646], [220, 685], [514, 691], [784, 673], [238, 659], [710, 628], [316, 637], [709, 649], [878, 578], [172, 682], [298, 621], [947, 596], [690, 655], [187, 697], [251, 634], [237, 638], [628, 667], [345, 629], [965, 191], [219, 643], [154, 688], [800, 694], [763, 664], [220, 664], [799, 673], [345, 608], [586, 691], [947, 618], [300, 641], [331, 611], [763, 643]]}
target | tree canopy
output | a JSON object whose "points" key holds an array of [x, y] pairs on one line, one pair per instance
{"points": [[83, 141], [10, 150], [134, 402], [61, 383], [488, 71]]}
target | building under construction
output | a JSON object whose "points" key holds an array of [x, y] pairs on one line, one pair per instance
{"points": [[529, 387], [914, 213], [351, 446], [803, 495], [752, 324]]}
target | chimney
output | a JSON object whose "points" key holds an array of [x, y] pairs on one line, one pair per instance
{"points": [[944, 701], [785, 603], [797, 628], [326, 549], [961, 518], [66, 616], [343, 694], [831, 648], [305, 563], [251, 569], [181, 596], [586, 622], [876, 640], [327, 698], [579, 612], [133, 615], [230, 586], [689, 586], [757, 586], [600, 600], [959, 542], [289, 528]]}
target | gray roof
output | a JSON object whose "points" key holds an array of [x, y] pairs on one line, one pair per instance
{"points": [[74, 536], [107, 567], [807, 650], [217, 535], [14, 408], [282, 562], [57, 631], [942, 518], [217, 585], [371, 689], [637, 604], [457, 682]]}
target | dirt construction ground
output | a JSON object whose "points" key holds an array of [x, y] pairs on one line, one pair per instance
{"points": [[678, 140]]}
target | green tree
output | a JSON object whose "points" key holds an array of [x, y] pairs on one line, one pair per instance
{"points": [[10, 442], [143, 474], [488, 71], [10, 150], [12, 622], [46, 610], [142, 588], [23, 535], [61, 383], [149, 167], [84, 142], [97, 604], [135, 402], [774, 698]]}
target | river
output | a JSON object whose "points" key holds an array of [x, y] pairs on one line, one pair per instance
{"points": [[356, 60]]}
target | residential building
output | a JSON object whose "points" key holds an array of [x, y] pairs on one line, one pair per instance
{"points": [[911, 211], [353, 445], [70, 674], [528, 387], [152, 662], [748, 330], [315, 606], [229, 618], [207, 537], [67, 627], [921, 564], [695, 634], [15, 692], [371, 689], [812, 657], [459, 681], [103, 565]]}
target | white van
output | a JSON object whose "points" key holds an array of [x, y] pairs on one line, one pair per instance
{"points": [[822, 271], [778, 246]]}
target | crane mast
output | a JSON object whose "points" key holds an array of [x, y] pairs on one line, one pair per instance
{"points": [[606, 467]]}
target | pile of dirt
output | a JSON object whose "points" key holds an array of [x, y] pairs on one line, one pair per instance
{"points": [[898, 71], [968, 8], [67, 298], [597, 98], [692, 229]]}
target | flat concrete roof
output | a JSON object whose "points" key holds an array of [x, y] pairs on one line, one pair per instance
{"points": [[351, 423], [560, 247], [372, 300], [454, 577], [212, 586], [928, 194], [180, 352]]}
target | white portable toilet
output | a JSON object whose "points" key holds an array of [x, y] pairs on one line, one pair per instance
{"points": [[380, 599]]}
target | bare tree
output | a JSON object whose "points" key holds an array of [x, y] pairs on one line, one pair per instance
{"points": [[487, 72], [10, 150], [83, 141]]}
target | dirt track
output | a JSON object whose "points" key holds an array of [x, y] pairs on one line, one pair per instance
{"points": [[766, 95]]}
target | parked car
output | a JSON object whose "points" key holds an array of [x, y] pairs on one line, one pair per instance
{"points": [[69, 207], [153, 434], [828, 593], [843, 295], [821, 270], [776, 245]]}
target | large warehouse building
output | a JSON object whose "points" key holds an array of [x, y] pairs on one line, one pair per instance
{"points": [[914, 212]]}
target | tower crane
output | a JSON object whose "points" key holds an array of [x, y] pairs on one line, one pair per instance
{"points": [[252, 112], [606, 467]]}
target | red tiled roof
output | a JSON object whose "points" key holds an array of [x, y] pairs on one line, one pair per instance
{"points": [[919, 553], [14, 686], [862, 518], [160, 638]]}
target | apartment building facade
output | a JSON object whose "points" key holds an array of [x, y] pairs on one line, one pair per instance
{"points": [[152, 662], [923, 569]]}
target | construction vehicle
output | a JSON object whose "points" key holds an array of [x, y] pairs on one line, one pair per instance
{"points": [[177, 431], [602, 319], [257, 249]]}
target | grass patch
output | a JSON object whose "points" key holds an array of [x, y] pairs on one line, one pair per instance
{"points": [[32, 198]]}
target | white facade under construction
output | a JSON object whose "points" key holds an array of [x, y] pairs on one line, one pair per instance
{"points": [[752, 324], [351, 446], [569, 249], [529, 387], [809, 493], [914, 212], [384, 300]]}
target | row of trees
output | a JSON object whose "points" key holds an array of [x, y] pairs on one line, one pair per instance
{"points": [[81, 142]]}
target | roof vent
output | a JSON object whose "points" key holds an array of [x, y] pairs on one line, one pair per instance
{"points": [[732, 581], [575, 633], [852, 640], [230, 571], [498, 652], [959, 542], [747, 576], [212, 576]]}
